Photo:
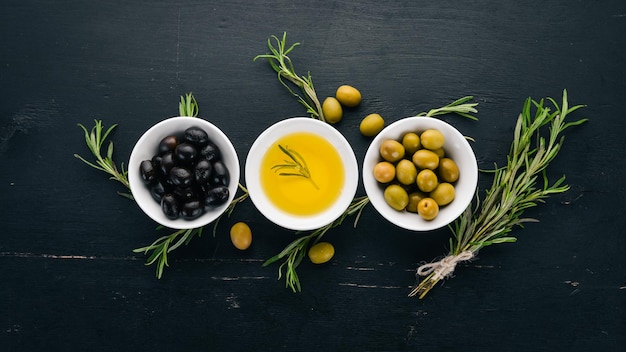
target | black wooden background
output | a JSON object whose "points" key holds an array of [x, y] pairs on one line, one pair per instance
{"points": [[69, 278]]}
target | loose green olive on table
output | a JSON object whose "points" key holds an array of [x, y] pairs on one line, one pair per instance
{"points": [[331, 108], [321, 252], [371, 125], [417, 175], [241, 235], [348, 96]]}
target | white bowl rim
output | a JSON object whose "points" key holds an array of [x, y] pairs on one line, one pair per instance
{"points": [[266, 139], [168, 126], [459, 150]]}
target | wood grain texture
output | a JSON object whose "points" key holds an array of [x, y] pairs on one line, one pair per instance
{"points": [[69, 276]]}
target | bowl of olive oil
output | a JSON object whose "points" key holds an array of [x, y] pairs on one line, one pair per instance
{"points": [[301, 173]]}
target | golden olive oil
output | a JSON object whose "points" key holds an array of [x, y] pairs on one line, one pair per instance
{"points": [[297, 194]]}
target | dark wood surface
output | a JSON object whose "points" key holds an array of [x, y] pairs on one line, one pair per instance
{"points": [[70, 280]]}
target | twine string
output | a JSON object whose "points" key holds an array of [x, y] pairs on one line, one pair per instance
{"points": [[445, 266]]}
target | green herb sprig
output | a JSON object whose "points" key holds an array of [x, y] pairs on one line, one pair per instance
{"points": [[520, 185], [293, 254], [281, 63], [460, 107], [296, 165], [95, 138], [188, 106]]}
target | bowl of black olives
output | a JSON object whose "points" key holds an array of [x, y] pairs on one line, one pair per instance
{"points": [[183, 172]]}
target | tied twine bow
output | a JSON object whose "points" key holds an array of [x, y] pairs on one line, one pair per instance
{"points": [[445, 266]]}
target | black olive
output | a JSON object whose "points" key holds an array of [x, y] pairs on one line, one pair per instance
{"points": [[168, 144], [170, 206], [202, 171], [159, 189], [185, 153], [181, 176], [196, 136], [186, 193], [148, 173], [156, 160], [216, 196], [220, 175], [192, 210], [167, 162], [211, 152]]}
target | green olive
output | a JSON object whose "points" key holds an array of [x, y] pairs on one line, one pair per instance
{"points": [[371, 125], [414, 199], [396, 197], [425, 159], [432, 139], [411, 143], [406, 172], [348, 96], [440, 152], [321, 252], [428, 208], [391, 150], [448, 170], [427, 180], [443, 194], [332, 110], [241, 235], [384, 172]]}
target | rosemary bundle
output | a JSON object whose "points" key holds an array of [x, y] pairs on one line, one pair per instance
{"points": [[520, 185]]}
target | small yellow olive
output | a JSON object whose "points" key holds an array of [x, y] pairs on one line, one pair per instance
{"points": [[332, 110], [427, 180], [241, 235], [414, 199], [448, 170], [440, 152], [391, 150], [348, 96], [396, 197], [406, 172], [371, 125], [432, 139], [384, 172], [321, 252], [425, 159], [443, 194], [411, 143], [428, 208]]}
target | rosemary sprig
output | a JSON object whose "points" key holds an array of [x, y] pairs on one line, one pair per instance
{"points": [[296, 163], [281, 63], [520, 185], [294, 252], [459, 107], [164, 245], [188, 105], [95, 138]]}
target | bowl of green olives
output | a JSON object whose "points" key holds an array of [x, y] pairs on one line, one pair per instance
{"points": [[183, 172], [420, 173]]}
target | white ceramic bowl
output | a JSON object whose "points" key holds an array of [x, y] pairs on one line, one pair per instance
{"points": [[266, 140], [456, 147], [146, 147]]}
